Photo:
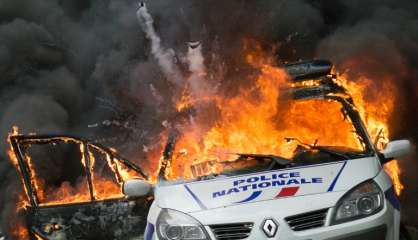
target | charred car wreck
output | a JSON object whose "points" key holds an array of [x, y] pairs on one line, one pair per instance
{"points": [[80, 212], [363, 206]]}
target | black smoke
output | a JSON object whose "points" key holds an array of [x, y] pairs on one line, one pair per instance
{"points": [[84, 67]]}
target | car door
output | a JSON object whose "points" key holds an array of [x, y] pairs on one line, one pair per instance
{"points": [[74, 189]]}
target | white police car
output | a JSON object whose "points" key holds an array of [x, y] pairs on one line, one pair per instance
{"points": [[323, 192], [350, 199]]}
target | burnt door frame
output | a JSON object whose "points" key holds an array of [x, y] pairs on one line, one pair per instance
{"points": [[17, 141]]}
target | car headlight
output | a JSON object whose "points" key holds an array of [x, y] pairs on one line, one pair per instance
{"points": [[174, 225], [364, 200]]}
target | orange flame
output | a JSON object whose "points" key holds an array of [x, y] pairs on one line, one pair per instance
{"points": [[19, 231], [255, 122], [18, 228], [375, 112]]}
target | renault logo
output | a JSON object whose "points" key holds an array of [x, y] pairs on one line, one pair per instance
{"points": [[270, 227]]}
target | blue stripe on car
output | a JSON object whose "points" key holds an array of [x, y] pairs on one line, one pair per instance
{"points": [[202, 206], [149, 231], [331, 187], [392, 198], [253, 196]]}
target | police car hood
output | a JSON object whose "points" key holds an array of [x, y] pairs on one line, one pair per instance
{"points": [[269, 185]]}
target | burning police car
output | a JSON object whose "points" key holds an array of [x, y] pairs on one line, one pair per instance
{"points": [[333, 191], [321, 192]]}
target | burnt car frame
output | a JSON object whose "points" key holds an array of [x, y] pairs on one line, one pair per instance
{"points": [[116, 218]]}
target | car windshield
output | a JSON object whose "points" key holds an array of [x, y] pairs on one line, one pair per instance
{"points": [[305, 132]]}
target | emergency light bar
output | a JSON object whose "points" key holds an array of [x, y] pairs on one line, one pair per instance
{"points": [[313, 79], [304, 70]]}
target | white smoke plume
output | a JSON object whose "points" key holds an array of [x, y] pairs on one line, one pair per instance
{"points": [[197, 80], [165, 57]]}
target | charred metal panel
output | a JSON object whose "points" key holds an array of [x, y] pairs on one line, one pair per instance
{"points": [[114, 219]]}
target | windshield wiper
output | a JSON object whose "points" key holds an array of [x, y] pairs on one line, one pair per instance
{"points": [[319, 148], [331, 152], [276, 159]]}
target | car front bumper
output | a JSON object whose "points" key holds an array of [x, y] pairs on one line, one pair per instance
{"points": [[383, 225]]}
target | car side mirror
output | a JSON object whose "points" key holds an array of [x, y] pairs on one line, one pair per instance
{"points": [[396, 149], [136, 188]]}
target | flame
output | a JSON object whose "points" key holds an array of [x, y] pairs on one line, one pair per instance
{"points": [[185, 101], [17, 225], [394, 171], [248, 123], [19, 230], [10, 151], [375, 112], [254, 121]]}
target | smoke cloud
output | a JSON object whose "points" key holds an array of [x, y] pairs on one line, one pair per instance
{"points": [[110, 70]]}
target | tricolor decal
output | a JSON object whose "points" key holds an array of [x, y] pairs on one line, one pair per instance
{"points": [[331, 187], [287, 192], [392, 198], [253, 196], [201, 205], [284, 192], [149, 231], [269, 185]]}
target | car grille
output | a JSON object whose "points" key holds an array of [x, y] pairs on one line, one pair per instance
{"points": [[308, 220], [232, 231]]}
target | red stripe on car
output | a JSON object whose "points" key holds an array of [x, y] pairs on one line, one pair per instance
{"points": [[287, 192]]}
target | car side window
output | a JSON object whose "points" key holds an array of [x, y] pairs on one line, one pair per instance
{"points": [[105, 180], [64, 170], [58, 175]]}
